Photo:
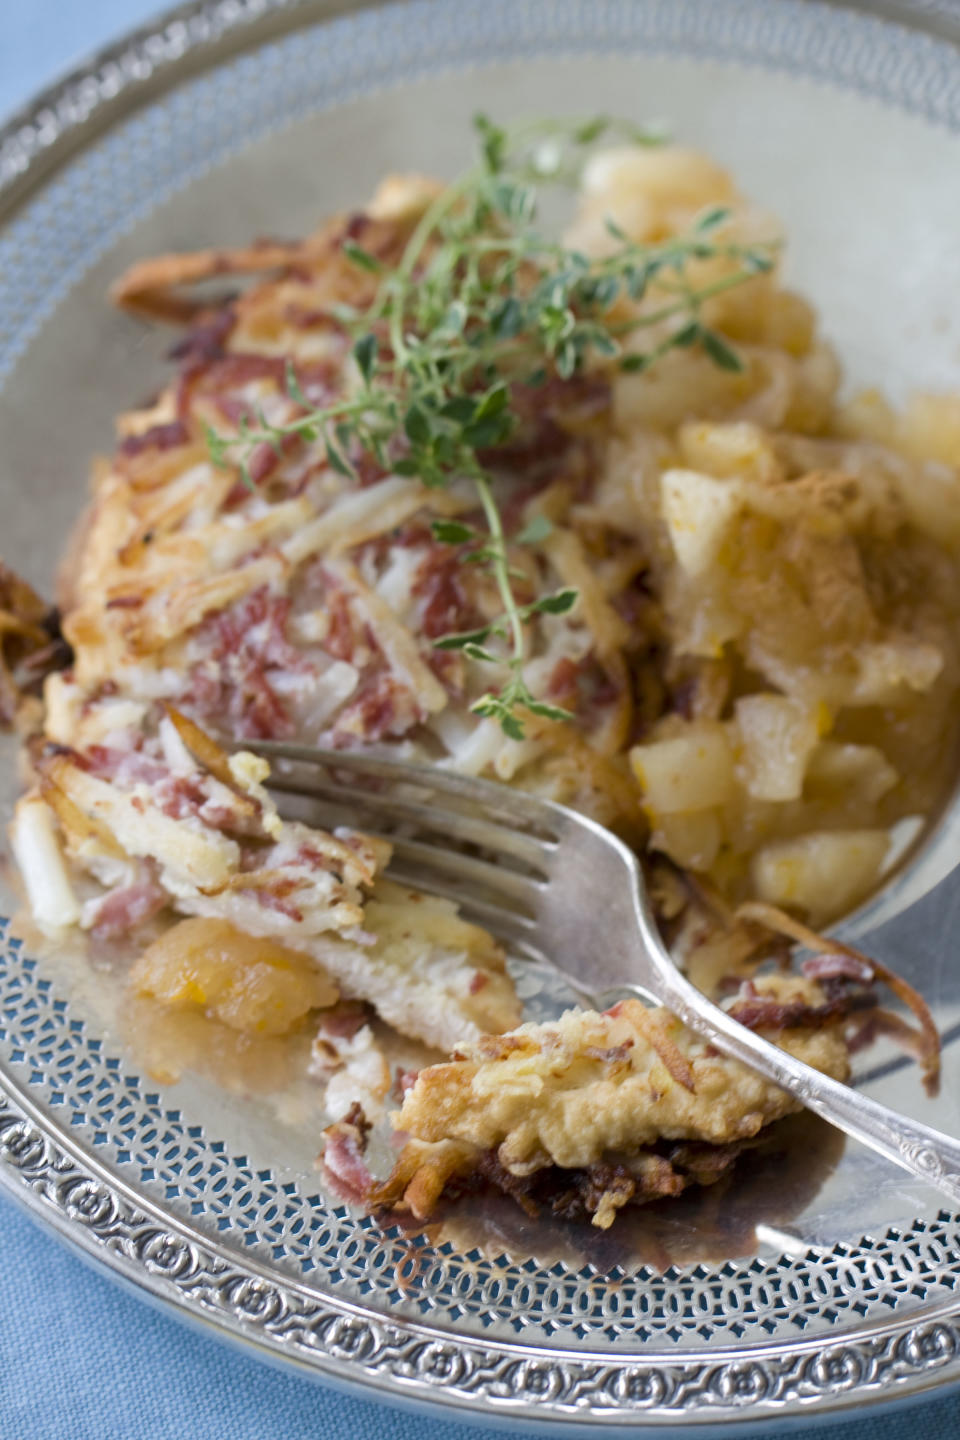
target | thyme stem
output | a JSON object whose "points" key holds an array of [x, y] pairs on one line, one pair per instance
{"points": [[499, 566], [480, 299]]}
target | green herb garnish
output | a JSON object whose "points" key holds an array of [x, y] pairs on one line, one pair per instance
{"points": [[479, 301]]}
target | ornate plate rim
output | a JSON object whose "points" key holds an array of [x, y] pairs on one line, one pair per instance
{"points": [[168, 1262], [405, 1362]]}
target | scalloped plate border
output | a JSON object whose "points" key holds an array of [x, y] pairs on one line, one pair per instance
{"points": [[407, 1362], [63, 1185]]}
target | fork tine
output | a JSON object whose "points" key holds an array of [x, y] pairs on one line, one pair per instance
{"points": [[507, 925], [451, 824], [503, 887], [510, 806], [506, 887]]}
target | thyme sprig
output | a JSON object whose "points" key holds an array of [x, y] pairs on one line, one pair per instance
{"points": [[480, 301]]}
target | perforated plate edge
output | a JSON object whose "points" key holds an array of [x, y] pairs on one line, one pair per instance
{"points": [[57, 1180]]}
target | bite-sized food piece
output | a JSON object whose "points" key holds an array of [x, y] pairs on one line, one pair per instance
{"points": [[431, 974], [204, 977], [343, 1162], [346, 1057], [608, 1109], [172, 820], [31, 646], [173, 811], [208, 998], [248, 983], [821, 873]]}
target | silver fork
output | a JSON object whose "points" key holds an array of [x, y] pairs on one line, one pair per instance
{"points": [[564, 889]]}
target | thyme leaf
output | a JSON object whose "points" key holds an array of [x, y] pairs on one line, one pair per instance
{"points": [[480, 305]]}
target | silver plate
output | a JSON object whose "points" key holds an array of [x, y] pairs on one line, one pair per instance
{"points": [[827, 1280]]}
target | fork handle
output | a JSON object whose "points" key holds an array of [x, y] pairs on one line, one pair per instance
{"points": [[927, 1153]]}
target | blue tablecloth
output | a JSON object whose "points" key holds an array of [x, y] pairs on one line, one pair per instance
{"points": [[79, 1357]]}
